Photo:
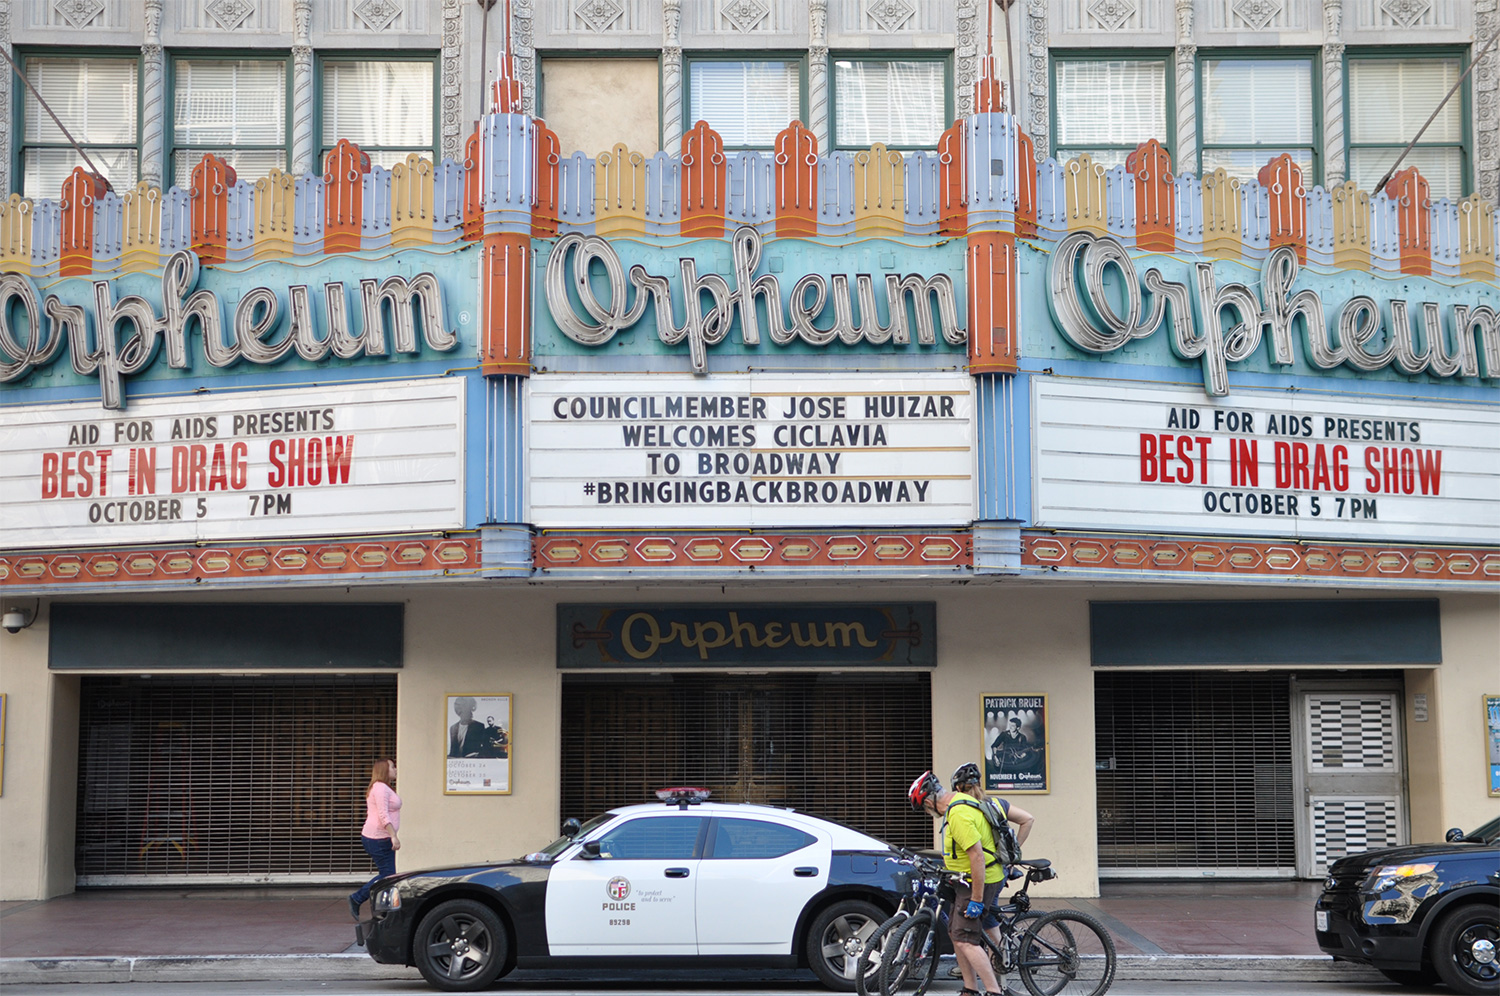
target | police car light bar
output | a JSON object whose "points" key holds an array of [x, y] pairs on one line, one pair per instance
{"points": [[683, 796]]}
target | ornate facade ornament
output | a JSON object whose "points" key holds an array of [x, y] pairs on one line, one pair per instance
{"points": [[1111, 15], [153, 99], [890, 15], [671, 75], [1486, 90], [1334, 163], [1186, 59], [966, 56], [1039, 123], [1406, 12], [377, 15], [599, 15], [744, 15], [451, 144], [79, 13], [523, 52], [6, 182], [303, 136], [229, 14], [817, 71], [1257, 14]]}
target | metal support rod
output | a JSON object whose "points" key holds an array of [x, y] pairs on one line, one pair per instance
{"points": [[64, 128], [1010, 60], [1423, 130]]}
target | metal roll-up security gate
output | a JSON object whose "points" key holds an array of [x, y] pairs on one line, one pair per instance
{"points": [[841, 746], [231, 780]]}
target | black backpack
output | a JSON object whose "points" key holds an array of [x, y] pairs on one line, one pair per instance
{"points": [[1007, 851]]}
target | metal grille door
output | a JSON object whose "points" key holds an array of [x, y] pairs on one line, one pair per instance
{"points": [[840, 747], [227, 780], [1352, 780], [1194, 772]]}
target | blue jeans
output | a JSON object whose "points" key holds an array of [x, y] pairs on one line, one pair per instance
{"points": [[380, 851]]}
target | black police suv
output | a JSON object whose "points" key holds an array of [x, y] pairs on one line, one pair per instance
{"points": [[1419, 914]]}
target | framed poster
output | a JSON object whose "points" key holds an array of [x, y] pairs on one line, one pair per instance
{"points": [[1492, 739], [477, 745], [1015, 743]]}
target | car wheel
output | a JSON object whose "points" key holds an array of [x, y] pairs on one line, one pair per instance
{"points": [[837, 939], [1464, 950], [460, 946], [1410, 976]]}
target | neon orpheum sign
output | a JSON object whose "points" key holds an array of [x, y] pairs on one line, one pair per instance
{"points": [[1219, 324], [263, 330], [812, 297]]}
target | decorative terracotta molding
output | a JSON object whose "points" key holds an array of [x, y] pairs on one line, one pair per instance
{"points": [[1259, 559], [561, 552], [240, 562]]}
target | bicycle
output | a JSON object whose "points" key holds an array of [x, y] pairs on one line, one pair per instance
{"points": [[922, 885], [1057, 953]]}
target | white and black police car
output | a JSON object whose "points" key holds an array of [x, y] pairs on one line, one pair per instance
{"points": [[690, 883]]}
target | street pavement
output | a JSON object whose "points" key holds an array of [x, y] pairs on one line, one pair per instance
{"points": [[1201, 933]]}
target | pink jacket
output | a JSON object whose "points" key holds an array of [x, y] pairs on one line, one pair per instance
{"points": [[382, 806]]}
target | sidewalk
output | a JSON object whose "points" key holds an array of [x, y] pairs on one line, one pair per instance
{"points": [[1196, 930]]}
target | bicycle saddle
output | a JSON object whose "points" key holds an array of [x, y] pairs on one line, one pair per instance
{"points": [[1035, 863]]}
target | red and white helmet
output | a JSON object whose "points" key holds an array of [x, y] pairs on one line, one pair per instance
{"points": [[925, 787]]}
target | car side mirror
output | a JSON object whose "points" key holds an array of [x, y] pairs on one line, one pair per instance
{"points": [[571, 827], [590, 849], [1454, 836]]}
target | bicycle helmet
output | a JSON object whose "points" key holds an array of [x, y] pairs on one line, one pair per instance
{"points": [[925, 787], [966, 773]]}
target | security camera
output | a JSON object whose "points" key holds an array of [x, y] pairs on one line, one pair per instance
{"points": [[15, 620]]}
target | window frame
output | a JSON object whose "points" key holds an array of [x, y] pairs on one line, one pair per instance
{"points": [[599, 54], [23, 56], [1465, 144], [1311, 56], [1169, 84], [739, 55], [324, 58], [170, 148], [946, 59]]}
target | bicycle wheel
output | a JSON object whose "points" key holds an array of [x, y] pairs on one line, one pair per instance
{"points": [[867, 972], [1067, 953], [911, 955], [1019, 925]]}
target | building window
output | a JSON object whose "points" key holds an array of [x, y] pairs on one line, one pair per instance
{"points": [[97, 100], [1252, 110], [385, 106], [902, 103], [233, 108], [747, 103], [1389, 99], [1107, 107]]}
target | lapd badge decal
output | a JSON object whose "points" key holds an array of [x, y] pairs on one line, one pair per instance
{"points": [[618, 888]]}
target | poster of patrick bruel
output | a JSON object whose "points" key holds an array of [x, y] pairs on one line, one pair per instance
{"points": [[1015, 743]]}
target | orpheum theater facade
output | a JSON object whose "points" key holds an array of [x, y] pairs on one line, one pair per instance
{"points": [[1176, 500]]}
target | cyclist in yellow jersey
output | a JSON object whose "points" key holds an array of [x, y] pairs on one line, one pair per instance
{"points": [[969, 849]]}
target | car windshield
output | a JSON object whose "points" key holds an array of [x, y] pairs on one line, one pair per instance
{"points": [[555, 848], [1488, 834]]}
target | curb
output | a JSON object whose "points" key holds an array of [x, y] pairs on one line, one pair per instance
{"points": [[359, 967]]}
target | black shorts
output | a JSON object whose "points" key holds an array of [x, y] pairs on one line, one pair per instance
{"points": [[962, 930]]}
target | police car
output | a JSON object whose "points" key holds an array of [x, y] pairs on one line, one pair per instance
{"points": [[688, 883]]}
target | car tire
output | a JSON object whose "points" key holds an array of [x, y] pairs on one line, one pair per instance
{"points": [[1410, 976], [836, 940], [460, 946], [1464, 950]]}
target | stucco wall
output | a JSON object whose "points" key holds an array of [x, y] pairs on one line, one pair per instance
{"points": [[594, 103]]}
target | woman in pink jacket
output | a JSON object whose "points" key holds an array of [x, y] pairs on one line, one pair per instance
{"points": [[382, 820]]}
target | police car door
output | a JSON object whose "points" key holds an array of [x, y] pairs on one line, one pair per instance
{"points": [[756, 877], [629, 890]]}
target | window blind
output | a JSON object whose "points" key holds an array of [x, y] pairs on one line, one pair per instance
{"points": [[229, 103], [1443, 168], [1110, 102], [1246, 163], [249, 164], [1389, 99], [46, 169], [747, 103], [95, 98], [1265, 102], [898, 103], [378, 103]]}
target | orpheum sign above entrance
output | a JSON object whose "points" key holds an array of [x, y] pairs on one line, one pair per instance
{"points": [[1101, 302]]}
